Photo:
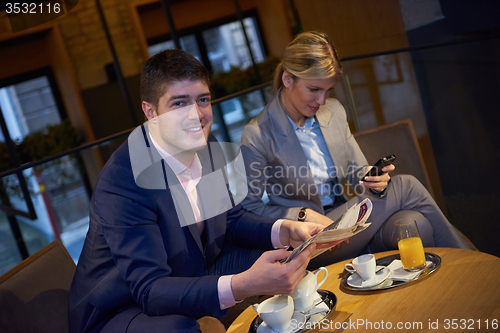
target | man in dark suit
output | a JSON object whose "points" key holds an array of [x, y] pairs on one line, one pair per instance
{"points": [[167, 241]]}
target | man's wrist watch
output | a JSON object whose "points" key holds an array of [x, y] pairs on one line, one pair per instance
{"points": [[302, 214]]}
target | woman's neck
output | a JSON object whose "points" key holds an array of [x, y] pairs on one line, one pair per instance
{"points": [[298, 118]]}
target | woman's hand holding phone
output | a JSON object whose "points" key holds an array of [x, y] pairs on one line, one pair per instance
{"points": [[374, 179]]}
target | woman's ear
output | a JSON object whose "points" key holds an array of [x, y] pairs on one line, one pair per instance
{"points": [[148, 110], [287, 79]]}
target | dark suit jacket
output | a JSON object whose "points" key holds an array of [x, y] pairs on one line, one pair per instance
{"points": [[136, 252]]}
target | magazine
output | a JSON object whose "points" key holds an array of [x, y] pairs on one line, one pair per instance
{"points": [[349, 224]]}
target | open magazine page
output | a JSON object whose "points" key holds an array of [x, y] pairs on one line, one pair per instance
{"points": [[349, 224]]}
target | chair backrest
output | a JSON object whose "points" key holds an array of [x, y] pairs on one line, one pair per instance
{"points": [[398, 138], [34, 294]]}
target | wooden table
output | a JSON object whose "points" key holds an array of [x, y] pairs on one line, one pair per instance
{"points": [[463, 294]]}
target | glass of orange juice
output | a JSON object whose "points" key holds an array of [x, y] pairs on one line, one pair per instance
{"points": [[410, 245]]}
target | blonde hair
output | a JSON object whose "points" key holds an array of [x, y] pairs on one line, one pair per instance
{"points": [[311, 55]]}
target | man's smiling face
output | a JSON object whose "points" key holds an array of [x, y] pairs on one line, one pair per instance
{"points": [[183, 118]]}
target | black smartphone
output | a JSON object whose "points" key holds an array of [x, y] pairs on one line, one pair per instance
{"points": [[377, 167]]}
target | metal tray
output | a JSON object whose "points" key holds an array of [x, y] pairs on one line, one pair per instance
{"points": [[385, 261], [327, 296]]}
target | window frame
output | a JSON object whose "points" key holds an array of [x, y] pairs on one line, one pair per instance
{"points": [[197, 31], [35, 74]]}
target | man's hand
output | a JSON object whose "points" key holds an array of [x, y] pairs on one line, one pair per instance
{"points": [[268, 276], [378, 183], [295, 233]]}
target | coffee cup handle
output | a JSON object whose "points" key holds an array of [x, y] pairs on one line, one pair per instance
{"points": [[324, 278], [350, 268]]}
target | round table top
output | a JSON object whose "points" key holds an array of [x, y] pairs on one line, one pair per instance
{"points": [[462, 294]]}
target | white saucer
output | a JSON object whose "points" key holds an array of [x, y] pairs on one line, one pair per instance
{"points": [[355, 280], [297, 323]]}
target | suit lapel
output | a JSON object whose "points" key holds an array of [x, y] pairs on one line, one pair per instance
{"points": [[331, 133], [286, 139], [289, 144], [212, 160], [193, 229]]}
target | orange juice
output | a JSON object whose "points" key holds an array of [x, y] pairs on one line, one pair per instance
{"points": [[412, 253]]}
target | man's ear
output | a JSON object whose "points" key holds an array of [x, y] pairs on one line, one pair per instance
{"points": [[148, 110]]}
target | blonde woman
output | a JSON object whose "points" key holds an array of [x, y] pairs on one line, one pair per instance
{"points": [[299, 151]]}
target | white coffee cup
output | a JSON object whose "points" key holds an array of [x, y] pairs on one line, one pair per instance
{"points": [[304, 293], [363, 265], [276, 312]]}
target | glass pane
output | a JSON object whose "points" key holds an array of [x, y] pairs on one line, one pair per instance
{"points": [[379, 86], [28, 107], [57, 188], [65, 191], [14, 191], [9, 254], [226, 45], [10, 110], [188, 44], [236, 113], [36, 233], [216, 50], [61, 203], [154, 49]]}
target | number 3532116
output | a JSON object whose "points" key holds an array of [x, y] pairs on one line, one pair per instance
{"points": [[470, 324], [32, 8]]}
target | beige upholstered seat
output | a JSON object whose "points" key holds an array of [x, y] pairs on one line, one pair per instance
{"points": [[34, 294], [399, 139]]}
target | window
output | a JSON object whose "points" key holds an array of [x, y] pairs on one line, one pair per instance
{"points": [[219, 47], [188, 44], [227, 47], [29, 103]]}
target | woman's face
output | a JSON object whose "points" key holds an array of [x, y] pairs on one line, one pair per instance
{"points": [[303, 97]]}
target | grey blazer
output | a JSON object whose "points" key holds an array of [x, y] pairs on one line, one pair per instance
{"points": [[275, 162]]}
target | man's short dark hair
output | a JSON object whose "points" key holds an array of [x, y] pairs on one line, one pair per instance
{"points": [[168, 67]]}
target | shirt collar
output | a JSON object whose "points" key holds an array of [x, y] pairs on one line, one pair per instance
{"points": [[309, 123], [176, 166]]}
